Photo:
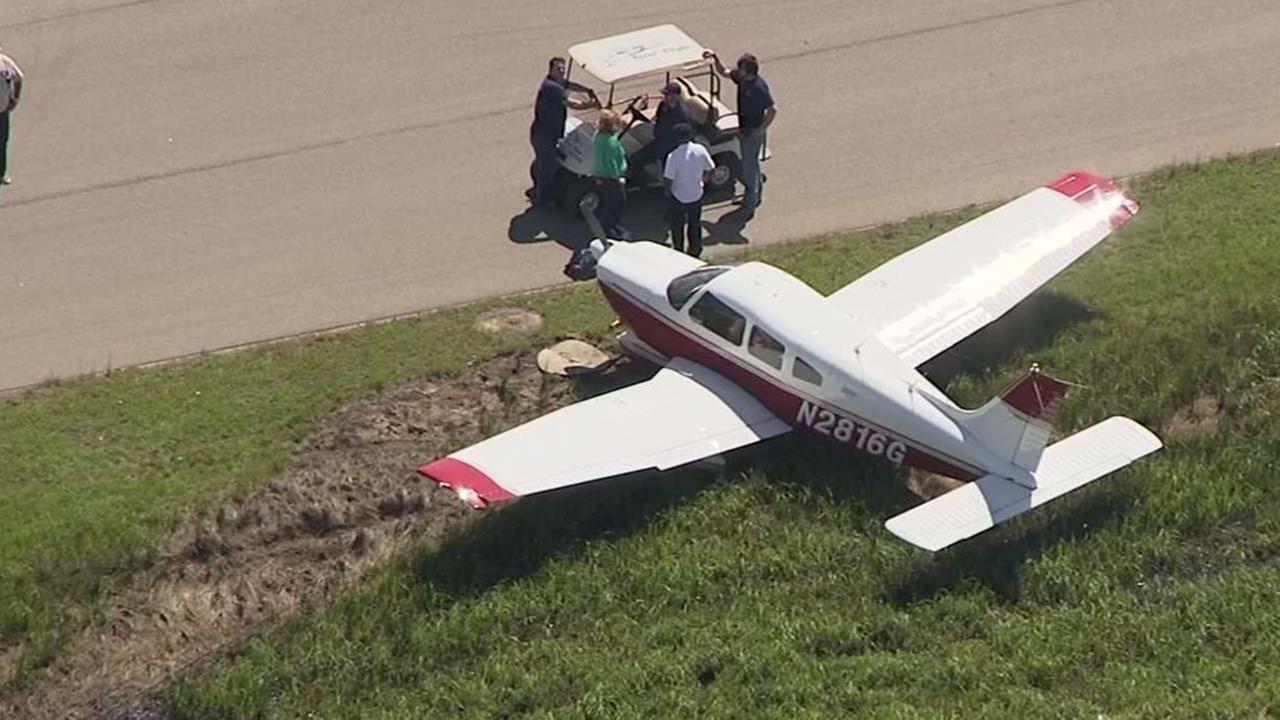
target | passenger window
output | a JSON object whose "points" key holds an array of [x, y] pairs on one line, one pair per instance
{"points": [[804, 371], [719, 318], [763, 346]]}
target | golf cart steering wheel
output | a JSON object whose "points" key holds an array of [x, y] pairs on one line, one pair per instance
{"points": [[632, 106]]}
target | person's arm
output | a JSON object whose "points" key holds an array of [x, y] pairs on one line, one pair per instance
{"points": [[715, 59], [580, 88], [769, 116], [578, 104]]}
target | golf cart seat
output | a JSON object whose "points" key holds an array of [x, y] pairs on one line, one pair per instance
{"points": [[713, 117]]}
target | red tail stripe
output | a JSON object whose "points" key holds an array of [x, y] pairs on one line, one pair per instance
{"points": [[1036, 396]]}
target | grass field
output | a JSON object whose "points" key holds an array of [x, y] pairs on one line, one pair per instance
{"points": [[777, 593]]}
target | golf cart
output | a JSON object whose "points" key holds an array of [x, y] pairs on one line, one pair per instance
{"points": [[634, 66]]}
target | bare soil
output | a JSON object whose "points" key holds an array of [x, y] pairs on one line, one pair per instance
{"points": [[350, 499], [927, 485], [505, 320], [1200, 419]]}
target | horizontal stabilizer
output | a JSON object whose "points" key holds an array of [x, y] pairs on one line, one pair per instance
{"points": [[991, 500]]}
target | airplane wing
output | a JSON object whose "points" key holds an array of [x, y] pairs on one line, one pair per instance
{"points": [[684, 413], [929, 298]]}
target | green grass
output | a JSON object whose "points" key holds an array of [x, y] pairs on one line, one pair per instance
{"points": [[776, 594], [97, 473]]}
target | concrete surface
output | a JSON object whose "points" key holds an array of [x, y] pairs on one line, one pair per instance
{"points": [[192, 175]]}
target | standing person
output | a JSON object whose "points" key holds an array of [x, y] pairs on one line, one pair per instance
{"points": [[685, 175], [548, 126], [756, 112], [671, 112], [611, 171], [10, 91]]}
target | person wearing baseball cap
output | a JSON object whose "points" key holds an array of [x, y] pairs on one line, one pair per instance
{"points": [[671, 112]]}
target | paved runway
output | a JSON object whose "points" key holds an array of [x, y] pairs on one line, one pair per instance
{"points": [[195, 174]]}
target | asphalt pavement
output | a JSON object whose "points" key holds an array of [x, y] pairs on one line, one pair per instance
{"points": [[191, 175]]}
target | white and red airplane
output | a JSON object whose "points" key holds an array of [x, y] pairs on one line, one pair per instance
{"points": [[751, 352]]}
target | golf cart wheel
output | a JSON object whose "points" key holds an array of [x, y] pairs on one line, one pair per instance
{"points": [[728, 169], [584, 196]]}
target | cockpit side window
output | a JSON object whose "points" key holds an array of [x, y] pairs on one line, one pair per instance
{"points": [[763, 345], [719, 318], [804, 371], [685, 286]]}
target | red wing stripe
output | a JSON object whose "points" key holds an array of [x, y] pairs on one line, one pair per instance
{"points": [[461, 477], [1086, 188], [1076, 184]]}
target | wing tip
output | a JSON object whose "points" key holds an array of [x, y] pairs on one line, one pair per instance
{"points": [[1087, 188], [473, 486]]}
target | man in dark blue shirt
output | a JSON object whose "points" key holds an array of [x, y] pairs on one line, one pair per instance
{"points": [[671, 112], [548, 126], [756, 112]]}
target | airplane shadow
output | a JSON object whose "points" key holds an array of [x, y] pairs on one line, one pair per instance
{"points": [[1031, 325], [834, 473], [514, 542], [995, 560]]}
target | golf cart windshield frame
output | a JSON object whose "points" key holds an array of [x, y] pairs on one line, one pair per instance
{"points": [[692, 72]]}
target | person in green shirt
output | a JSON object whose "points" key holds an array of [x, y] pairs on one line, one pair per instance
{"points": [[611, 170]]}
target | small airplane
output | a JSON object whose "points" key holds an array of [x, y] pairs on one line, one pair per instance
{"points": [[751, 352]]}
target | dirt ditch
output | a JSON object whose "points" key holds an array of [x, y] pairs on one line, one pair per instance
{"points": [[349, 499]]}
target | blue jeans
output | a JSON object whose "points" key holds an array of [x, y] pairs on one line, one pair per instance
{"points": [[686, 222], [752, 184], [4, 142], [546, 162]]}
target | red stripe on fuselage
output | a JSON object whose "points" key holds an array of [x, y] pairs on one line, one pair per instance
{"points": [[673, 341]]}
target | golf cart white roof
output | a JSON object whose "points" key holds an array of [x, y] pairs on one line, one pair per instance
{"points": [[640, 52]]}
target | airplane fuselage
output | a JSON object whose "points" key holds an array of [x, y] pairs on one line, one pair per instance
{"points": [[777, 338]]}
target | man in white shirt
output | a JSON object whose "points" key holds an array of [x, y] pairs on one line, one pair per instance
{"points": [[10, 91], [684, 176]]}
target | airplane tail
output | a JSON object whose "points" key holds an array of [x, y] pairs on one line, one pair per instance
{"points": [[1016, 424], [990, 500], [1016, 427]]}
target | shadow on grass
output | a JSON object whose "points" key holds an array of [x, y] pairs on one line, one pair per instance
{"points": [[835, 474], [514, 542], [995, 559], [1031, 325]]}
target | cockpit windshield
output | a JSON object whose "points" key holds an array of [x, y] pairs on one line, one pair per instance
{"points": [[685, 286]]}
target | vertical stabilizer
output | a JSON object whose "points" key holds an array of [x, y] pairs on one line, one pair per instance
{"points": [[1016, 425]]}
